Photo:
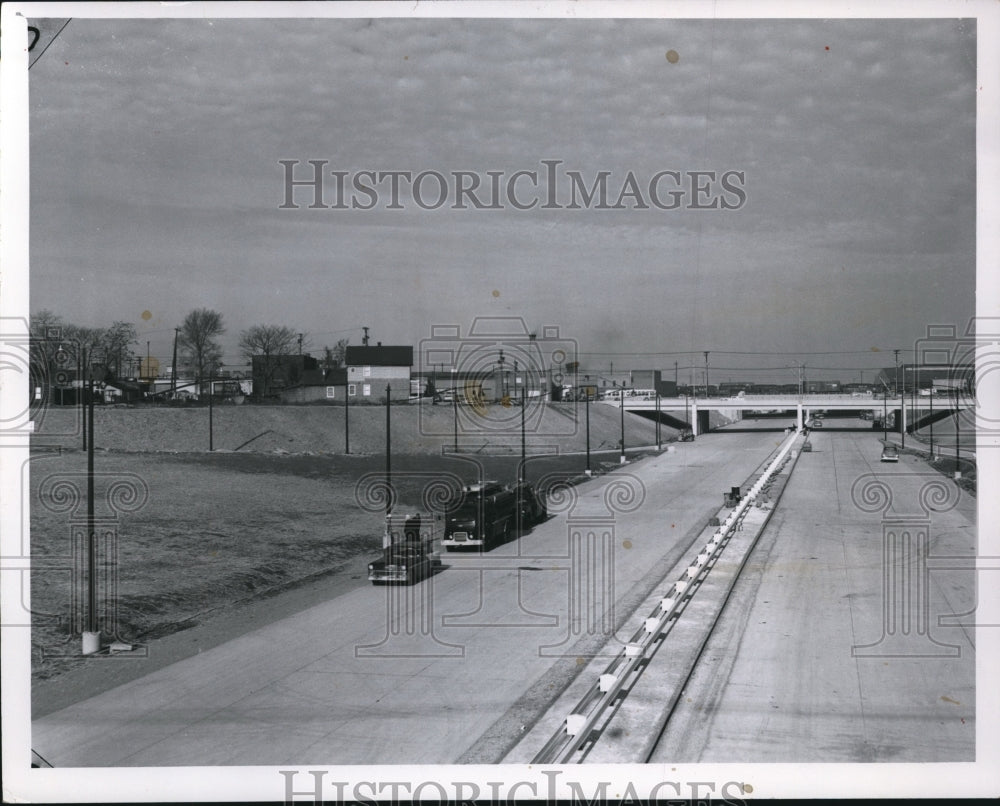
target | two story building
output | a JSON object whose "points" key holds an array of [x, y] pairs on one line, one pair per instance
{"points": [[371, 369]]}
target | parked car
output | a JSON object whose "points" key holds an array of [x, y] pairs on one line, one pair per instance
{"points": [[815, 423], [890, 454], [686, 435], [407, 555]]}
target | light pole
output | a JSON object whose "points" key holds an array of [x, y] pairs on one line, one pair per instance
{"points": [[91, 637], [524, 459], [588, 434], [902, 418], [81, 365], [931, 421], [958, 471], [885, 412], [388, 455], [347, 416], [621, 401], [454, 402], [211, 389], [173, 369], [658, 441], [895, 354], [706, 373]]}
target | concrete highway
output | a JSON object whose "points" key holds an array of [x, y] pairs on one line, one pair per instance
{"points": [[451, 669], [813, 658]]}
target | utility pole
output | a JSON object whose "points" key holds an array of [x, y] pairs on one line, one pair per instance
{"points": [[211, 384], [347, 417], [675, 374], [931, 423], [173, 369], [902, 416], [388, 455], [81, 370], [657, 427], [524, 457], [885, 412], [364, 339], [147, 361], [706, 373], [958, 467], [91, 638], [300, 345], [588, 434], [622, 402], [896, 358]]}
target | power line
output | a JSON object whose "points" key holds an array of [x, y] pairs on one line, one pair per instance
{"points": [[749, 352]]}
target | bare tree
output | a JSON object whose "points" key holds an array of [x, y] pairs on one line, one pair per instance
{"points": [[333, 357], [266, 343], [117, 341], [197, 340], [47, 334]]}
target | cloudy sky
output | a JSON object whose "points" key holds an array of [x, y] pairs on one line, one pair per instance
{"points": [[157, 187]]}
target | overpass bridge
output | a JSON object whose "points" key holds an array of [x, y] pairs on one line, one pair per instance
{"points": [[695, 409]]}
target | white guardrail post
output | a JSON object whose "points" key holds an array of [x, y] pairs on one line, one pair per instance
{"points": [[581, 722]]}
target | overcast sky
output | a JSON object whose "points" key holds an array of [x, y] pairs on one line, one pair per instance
{"points": [[156, 182]]}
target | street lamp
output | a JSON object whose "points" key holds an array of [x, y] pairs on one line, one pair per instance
{"points": [[896, 361], [885, 412], [211, 389], [388, 455], [524, 458], [347, 414], [931, 420], [902, 415], [91, 642], [587, 407], [503, 391], [658, 440], [621, 400], [958, 455], [454, 402]]}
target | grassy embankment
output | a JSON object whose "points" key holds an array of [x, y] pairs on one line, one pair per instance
{"points": [[220, 529]]}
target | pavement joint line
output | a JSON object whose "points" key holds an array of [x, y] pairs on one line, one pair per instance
{"points": [[578, 727], [685, 599], [671, 697]]}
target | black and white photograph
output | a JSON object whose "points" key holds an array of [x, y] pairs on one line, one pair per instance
{"points": [[467, 401]]}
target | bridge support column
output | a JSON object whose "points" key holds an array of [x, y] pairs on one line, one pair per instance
{"points": [[799, 410], [694, 418]]}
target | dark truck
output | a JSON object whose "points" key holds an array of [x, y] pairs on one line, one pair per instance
{"points": [[487, 514], [407, 554]]}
